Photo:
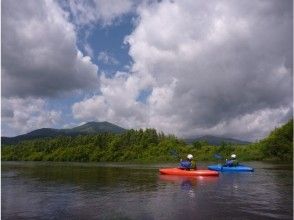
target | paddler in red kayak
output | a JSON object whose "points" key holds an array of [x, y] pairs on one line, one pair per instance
{"points": [[188, 164]]}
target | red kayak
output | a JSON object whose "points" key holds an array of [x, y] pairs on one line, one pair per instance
{"points": [[181, 172]]}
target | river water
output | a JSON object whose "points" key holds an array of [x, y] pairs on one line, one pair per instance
{"points": [[47, 190]]}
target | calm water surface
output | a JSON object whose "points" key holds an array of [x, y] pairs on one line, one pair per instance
{"points": [[32, 190]]}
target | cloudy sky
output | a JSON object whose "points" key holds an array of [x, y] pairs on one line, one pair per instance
{"points": [[189, 67]]}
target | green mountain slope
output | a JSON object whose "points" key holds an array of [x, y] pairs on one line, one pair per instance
{"points": [[96, 127], [88, 128]]}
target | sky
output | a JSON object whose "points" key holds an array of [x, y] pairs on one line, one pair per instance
{"points": [[188, 68]]}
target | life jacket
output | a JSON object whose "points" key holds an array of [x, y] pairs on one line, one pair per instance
{"points": [[185, 164]]}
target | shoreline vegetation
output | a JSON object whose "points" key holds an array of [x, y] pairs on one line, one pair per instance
{"points": [[146, 146]]}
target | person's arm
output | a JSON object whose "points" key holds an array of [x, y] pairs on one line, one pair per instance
{"points": [[226, 163], [229, 163]]}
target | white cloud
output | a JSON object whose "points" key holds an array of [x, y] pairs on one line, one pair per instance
{"points": [[39, 53], [89, 50], [252, 126], [106, 58], [24, 115], [118, 103], [102, 11], [215, 67]]}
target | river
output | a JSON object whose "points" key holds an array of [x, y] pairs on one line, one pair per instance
{"points": [[49, 190]]}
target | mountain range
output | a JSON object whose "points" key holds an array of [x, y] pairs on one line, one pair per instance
{"points": [[214, 140], [88, 128], [102, 127]]}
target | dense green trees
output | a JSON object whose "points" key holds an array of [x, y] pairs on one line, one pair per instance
{"points": [[279, 144], [145, 146]]}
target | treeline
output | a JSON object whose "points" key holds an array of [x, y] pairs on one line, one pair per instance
{"points": [[145, 146], [140, 145], [279, 144]]}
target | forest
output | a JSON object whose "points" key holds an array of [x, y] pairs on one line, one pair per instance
{"points": [[146, 146]]}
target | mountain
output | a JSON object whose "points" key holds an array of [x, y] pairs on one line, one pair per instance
{"points": [[96, 127], [102, 127], [88, 128], [214, 140]]}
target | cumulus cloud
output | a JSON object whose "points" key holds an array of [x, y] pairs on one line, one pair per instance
{"points": [[251, 126], [23, 115], [39, 53], [226, 56], [102, 11], [214, 67], [107, 58], [118, 104]]}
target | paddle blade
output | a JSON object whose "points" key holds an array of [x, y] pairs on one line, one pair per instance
{"points": [[174, 153], [217, 156]]}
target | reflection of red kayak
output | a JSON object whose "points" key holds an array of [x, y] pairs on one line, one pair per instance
{"points": [[179, 179], [181, 172], [192, 179], [173, 178]]}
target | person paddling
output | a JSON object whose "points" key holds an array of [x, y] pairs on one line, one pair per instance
{"points": [[232, 162], [188, 164]]}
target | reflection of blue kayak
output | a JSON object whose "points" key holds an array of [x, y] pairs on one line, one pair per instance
{"points": [[239, 168]]}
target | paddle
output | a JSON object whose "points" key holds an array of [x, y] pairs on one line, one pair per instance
{"points": [[174, 153], [219, 157]]}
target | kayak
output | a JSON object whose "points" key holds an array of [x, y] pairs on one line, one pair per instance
{"points": [[181, 172], [239, 168]]}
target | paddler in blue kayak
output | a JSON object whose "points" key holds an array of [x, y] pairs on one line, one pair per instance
{"points": [[232, 162], [188, 164]]}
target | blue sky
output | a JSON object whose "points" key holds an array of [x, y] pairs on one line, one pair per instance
{"points": [[109, 39], [188, 68], [102, 39]]}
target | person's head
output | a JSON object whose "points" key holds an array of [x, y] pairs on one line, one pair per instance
{"points": [[189, 156], [233, 156]]}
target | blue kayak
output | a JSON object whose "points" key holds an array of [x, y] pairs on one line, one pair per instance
{"points": [[239, 168]]}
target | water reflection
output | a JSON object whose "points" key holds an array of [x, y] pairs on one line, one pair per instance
{"points": [[89, 178], [193, 180], [188, 184], [81, 191]]}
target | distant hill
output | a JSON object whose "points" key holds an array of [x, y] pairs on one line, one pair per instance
{"points": [[88, 128], [214, 140], [96, 127]]}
